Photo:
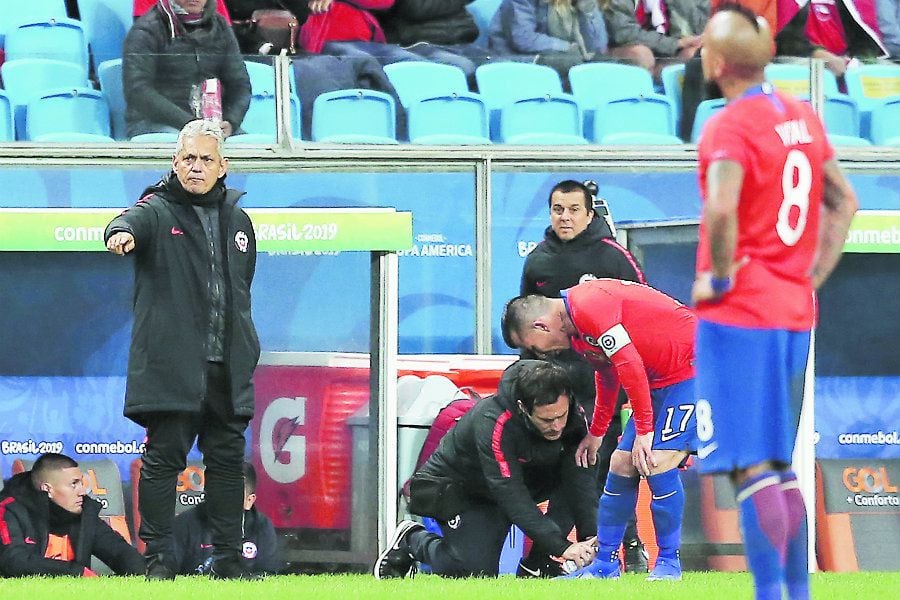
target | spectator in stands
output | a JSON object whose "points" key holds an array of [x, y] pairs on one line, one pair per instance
{"points": [[142, 6], [349, 28], [506, 454], [48, 526], [193, 346], [259, 551], [437, 30], [889, 24], [168, 54], [578, 246], [837, 31], [247, 35], [833, 32], [644, 30], [558, 33]]}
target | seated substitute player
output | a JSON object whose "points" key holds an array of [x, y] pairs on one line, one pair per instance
{"points": [[509, 452], [259, 549], [640, 338], [49, 526]]}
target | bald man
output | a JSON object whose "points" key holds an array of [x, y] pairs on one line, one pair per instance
{"points": [[776, 212]]}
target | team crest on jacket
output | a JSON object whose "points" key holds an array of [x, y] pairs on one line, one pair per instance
{"points": [[241, 241], [249, 550]]}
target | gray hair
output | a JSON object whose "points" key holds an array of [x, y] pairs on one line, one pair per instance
{"points": [[202, 127]]}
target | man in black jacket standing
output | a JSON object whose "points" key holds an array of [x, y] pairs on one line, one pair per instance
{"points": [[193, 345], [168, 53], [48, 526], [578, 246], [509, 452]]}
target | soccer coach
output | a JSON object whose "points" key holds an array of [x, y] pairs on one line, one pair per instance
{"points": [[509, 452]]}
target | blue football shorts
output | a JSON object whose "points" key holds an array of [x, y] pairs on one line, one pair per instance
{"points": [[675, 427], [749, 395]]}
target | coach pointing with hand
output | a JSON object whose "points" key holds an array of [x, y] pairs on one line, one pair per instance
{"points": [[193, 344]]}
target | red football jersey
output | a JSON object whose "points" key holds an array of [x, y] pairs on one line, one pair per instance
{"points": [[782, 147], [635, 336]]}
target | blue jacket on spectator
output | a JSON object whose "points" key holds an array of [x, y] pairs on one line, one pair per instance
{"points": [[889, 23], [521, 27]]}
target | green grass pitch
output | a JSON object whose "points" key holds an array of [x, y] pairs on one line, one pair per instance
{"points": [[694, 586]]}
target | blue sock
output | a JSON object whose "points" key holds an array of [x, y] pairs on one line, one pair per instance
{"points": [[764, 522], [616, 507], [796, 564], [667, 508]]}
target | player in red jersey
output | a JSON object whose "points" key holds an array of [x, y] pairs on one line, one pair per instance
{"points": [[643, 340], [776, 212]]}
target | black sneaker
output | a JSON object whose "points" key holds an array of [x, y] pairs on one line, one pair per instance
{"points": [[157, 569], [396, 562], [542, 566], [636, 557], [231, 569]]}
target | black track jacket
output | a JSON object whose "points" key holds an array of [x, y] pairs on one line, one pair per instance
{"points": [[167, 361], [24, 519], [497, 456]]}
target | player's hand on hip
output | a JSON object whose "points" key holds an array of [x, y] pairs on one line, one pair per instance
{"points": [[120, 243], [586, 454], [642, 454], [709, 289]]}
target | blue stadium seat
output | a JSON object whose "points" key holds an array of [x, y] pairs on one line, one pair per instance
{"points": [[259, 121], [67, 111], [503, 82], [593, 84], [483, 11], [106, 22], [110, 75], [13, 13], [549, 119], [886, 123], [415, 80], [841, 115], [27, 78], [7, 122], [651, 114], [638, 138], [705, 110], [847, 140], [870, 85], [262, 77], [56, 39], [793, 79], [162, 137], [673, 81], [457, 118], [354, 116], [262, 83]]}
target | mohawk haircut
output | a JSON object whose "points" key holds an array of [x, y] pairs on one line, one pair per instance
{"points": [[740, 9]]}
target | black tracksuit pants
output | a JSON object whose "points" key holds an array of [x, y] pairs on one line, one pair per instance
{"points": [[220, 437], [471, 544]]}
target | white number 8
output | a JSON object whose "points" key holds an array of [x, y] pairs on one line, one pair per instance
{"points": [[794, 195], [705, 427]]}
